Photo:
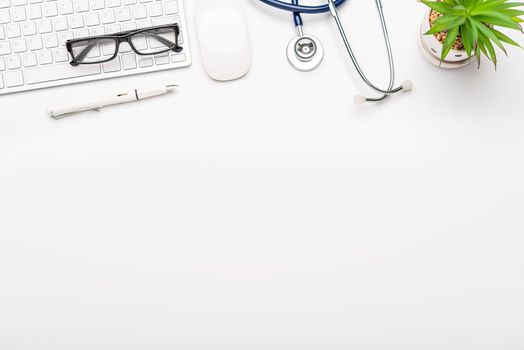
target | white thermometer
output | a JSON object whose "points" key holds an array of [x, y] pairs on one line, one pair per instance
{"points": [[96, 104]]}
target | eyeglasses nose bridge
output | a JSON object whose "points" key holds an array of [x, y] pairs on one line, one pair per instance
{"points": [[123, 39]]}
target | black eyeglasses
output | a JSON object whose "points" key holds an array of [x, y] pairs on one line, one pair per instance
{"points": [[104, 48]]}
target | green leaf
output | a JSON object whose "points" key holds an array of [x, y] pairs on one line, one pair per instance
{"points": [[451, 37], [503, 37], [486, 5], [467, 38], [483, 49], [497, 22], [511, 12], [472, 5], [440, 7], [490, 49], [474, 31], [445, 23], [485, 30]]}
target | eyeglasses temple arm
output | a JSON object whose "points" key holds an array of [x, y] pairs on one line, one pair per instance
{"points": [[165, 41], [85, 51]]}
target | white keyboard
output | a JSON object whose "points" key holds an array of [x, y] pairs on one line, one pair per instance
{"points": [[33, 35]]}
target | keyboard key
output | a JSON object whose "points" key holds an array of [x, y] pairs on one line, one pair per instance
{"points": [[2, 33], [60, 72], [19, 14], [50, 41], [5, 48], [139, 12], [5, 3], [162, 59], [60, 55], [145, 62], [19, 2], [35, 43], [98, 4], [140, 43], [124, 47], [76, 21], [98, 31], [171, 7], [50, 9], [113, 3], [82, 5], [35, 12], [29, 60], [60, 24], [29, 28], [92, 19], [128, 26], [5, 16], [112, 66], [44, 26], [123, 14], [127, 2], [19, 45], [114, 28], [145, 23], [108, 16], [65, 7], [45, 57], [65, 36], [155, 10], [81, 33], [35, 1], [129, 61], [2, 64], [1, 82], [166, 20], [14, 62], [14, 79], [13, 31]]}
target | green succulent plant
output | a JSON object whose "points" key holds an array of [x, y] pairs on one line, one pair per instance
{"points": [[475, 21]]}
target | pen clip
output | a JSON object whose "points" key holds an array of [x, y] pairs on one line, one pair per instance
{"points": [[65, 115]]}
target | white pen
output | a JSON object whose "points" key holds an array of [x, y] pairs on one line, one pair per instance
{"points": [[96, 104]]}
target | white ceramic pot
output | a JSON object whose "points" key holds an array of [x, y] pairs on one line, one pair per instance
{"points": [[432, 49]]}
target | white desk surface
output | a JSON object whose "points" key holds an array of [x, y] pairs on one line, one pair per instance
{"points": [[270, 213]]}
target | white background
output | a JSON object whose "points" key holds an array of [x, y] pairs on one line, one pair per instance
{"points": [[270, 213]]}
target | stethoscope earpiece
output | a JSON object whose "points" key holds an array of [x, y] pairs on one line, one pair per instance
{"points": [[407, 86], [359, 99]]}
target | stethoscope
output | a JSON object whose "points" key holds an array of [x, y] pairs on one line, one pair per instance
{"points": [[305, 52]]}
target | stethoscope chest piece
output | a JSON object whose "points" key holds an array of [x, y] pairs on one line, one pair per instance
{"points": [[305, 52]]}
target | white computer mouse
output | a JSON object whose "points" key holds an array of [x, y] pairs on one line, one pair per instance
{"points": [[223, 39]]}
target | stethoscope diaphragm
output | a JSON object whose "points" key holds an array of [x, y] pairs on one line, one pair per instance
{"points": [[305, 52]]}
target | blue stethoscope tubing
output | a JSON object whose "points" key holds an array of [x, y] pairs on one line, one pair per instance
{"points": [[296, 7], [332, 5]]}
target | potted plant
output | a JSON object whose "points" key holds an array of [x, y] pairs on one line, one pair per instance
{"points": [[455, 31]]}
